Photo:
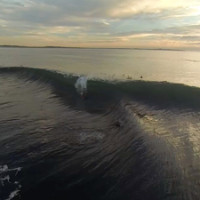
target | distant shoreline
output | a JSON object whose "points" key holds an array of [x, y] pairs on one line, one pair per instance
{"points": [[54, 47]]}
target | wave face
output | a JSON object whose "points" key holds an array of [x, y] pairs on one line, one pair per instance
{"points": [[125, 140]]}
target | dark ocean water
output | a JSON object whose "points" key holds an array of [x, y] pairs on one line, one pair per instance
{"points": [[126, 140]]}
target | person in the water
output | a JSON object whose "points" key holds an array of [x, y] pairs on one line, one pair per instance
{"points": [[81, 86]]}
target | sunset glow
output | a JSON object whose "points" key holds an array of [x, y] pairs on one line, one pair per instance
{"points": [[94, 23]]}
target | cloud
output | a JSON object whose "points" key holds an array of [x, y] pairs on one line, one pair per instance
{"points": [[66, 11], [99, 20], [187, 29]]}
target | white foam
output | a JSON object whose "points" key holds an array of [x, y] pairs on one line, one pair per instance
{"points": [[13, 194], [18, 169], [3, 168], [5, 179], [81, 85], [91, 136]]}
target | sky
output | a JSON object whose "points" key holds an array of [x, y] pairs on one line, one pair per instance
{"points": [[101, 23]]}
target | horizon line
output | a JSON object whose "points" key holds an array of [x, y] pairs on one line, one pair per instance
{"points": [[133, 48]]}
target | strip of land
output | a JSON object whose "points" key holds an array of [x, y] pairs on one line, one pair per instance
{"points": [[18, 46]]}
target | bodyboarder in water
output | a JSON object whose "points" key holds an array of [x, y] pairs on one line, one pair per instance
{"points": [[81, 86]]}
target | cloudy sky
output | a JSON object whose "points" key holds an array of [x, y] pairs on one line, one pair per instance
{"points": [[101, 23]]}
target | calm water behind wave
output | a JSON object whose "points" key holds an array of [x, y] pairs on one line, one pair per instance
{"points": [[155, 65]]}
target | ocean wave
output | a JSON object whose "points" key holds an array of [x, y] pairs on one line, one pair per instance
{"points": [[104, 92], [125, 140]]}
